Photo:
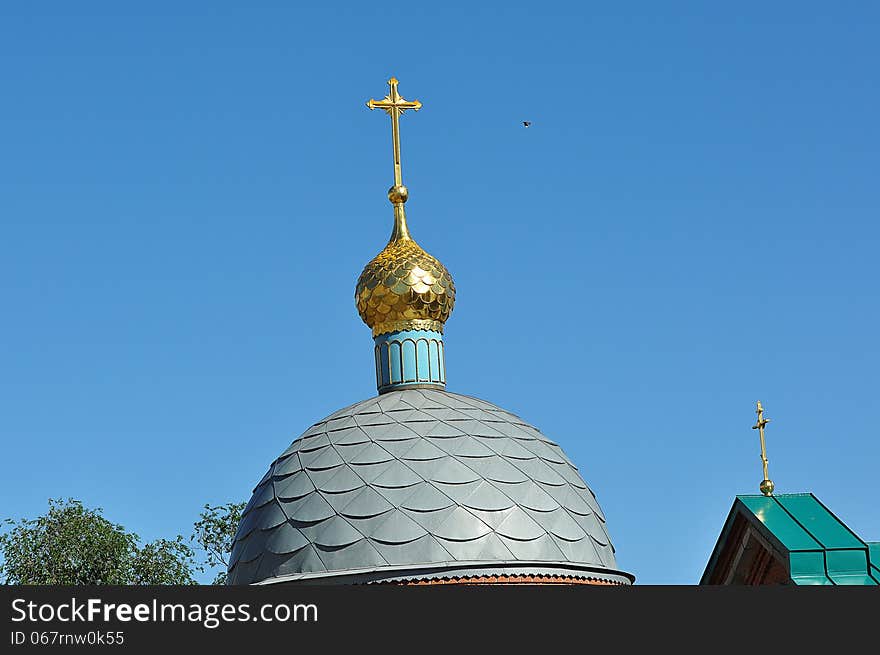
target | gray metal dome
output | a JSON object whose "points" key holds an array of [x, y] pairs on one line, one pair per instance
{"points": [[421, 484]]}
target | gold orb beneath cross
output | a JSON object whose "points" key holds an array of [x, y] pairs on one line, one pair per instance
{"points": [[766, 487], [398, 193]]}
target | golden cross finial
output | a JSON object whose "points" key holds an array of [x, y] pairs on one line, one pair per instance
{"points": [[766, 484], [394, 106]]}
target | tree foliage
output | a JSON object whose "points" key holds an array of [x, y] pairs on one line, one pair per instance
{"points": [[215, 532], [75, 545], [164, 562]]}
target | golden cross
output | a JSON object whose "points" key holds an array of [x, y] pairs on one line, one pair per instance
{"points": [[766, 484], [394, 106]]}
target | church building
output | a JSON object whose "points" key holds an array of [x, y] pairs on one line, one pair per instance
{"points": [[788, 539], [420, 485]]}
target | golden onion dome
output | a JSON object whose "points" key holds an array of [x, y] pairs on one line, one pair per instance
{"points": [[403, 287]]}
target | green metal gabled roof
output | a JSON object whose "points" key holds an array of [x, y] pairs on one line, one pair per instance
{"points": [[821, 549], [874, 559]]}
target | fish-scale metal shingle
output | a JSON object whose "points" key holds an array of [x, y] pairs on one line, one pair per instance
{"points": [[372, 454], [573, 501], [271, 516], [397, 474], [339, 500], [348, 437], [532, 496], [335, 532], [392, 403], [430, 520], [368, 502], [487, 497], [473, 448], [293, 487], [247, 525], [568, 472], [399, 447], [244, 571], [363, 552], [458, 492], [520, 526], [309, 509], [544, 451], [398, 528], [423, 450], [263, 495], [288, 465], [306, 560], [340, 423], [485, 547], [419, 478], [285, 539], [543, 548], [559, 523], [596, 530], [448, 471], [313, 442], [349, 452], [461, 525], [446, 415], [255, 545], [539, 471], [397, 496], [484, 431], [322, 459], [424, 549], [427, 498], [510, 449], [497, 469]]}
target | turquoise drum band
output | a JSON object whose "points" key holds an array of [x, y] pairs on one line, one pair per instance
{"points": [[409, 358]]}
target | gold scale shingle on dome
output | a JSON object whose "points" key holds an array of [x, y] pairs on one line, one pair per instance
{"points": [[403, 287]]}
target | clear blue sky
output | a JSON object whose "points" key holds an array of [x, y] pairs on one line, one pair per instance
{"points": [[188, 192]]}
